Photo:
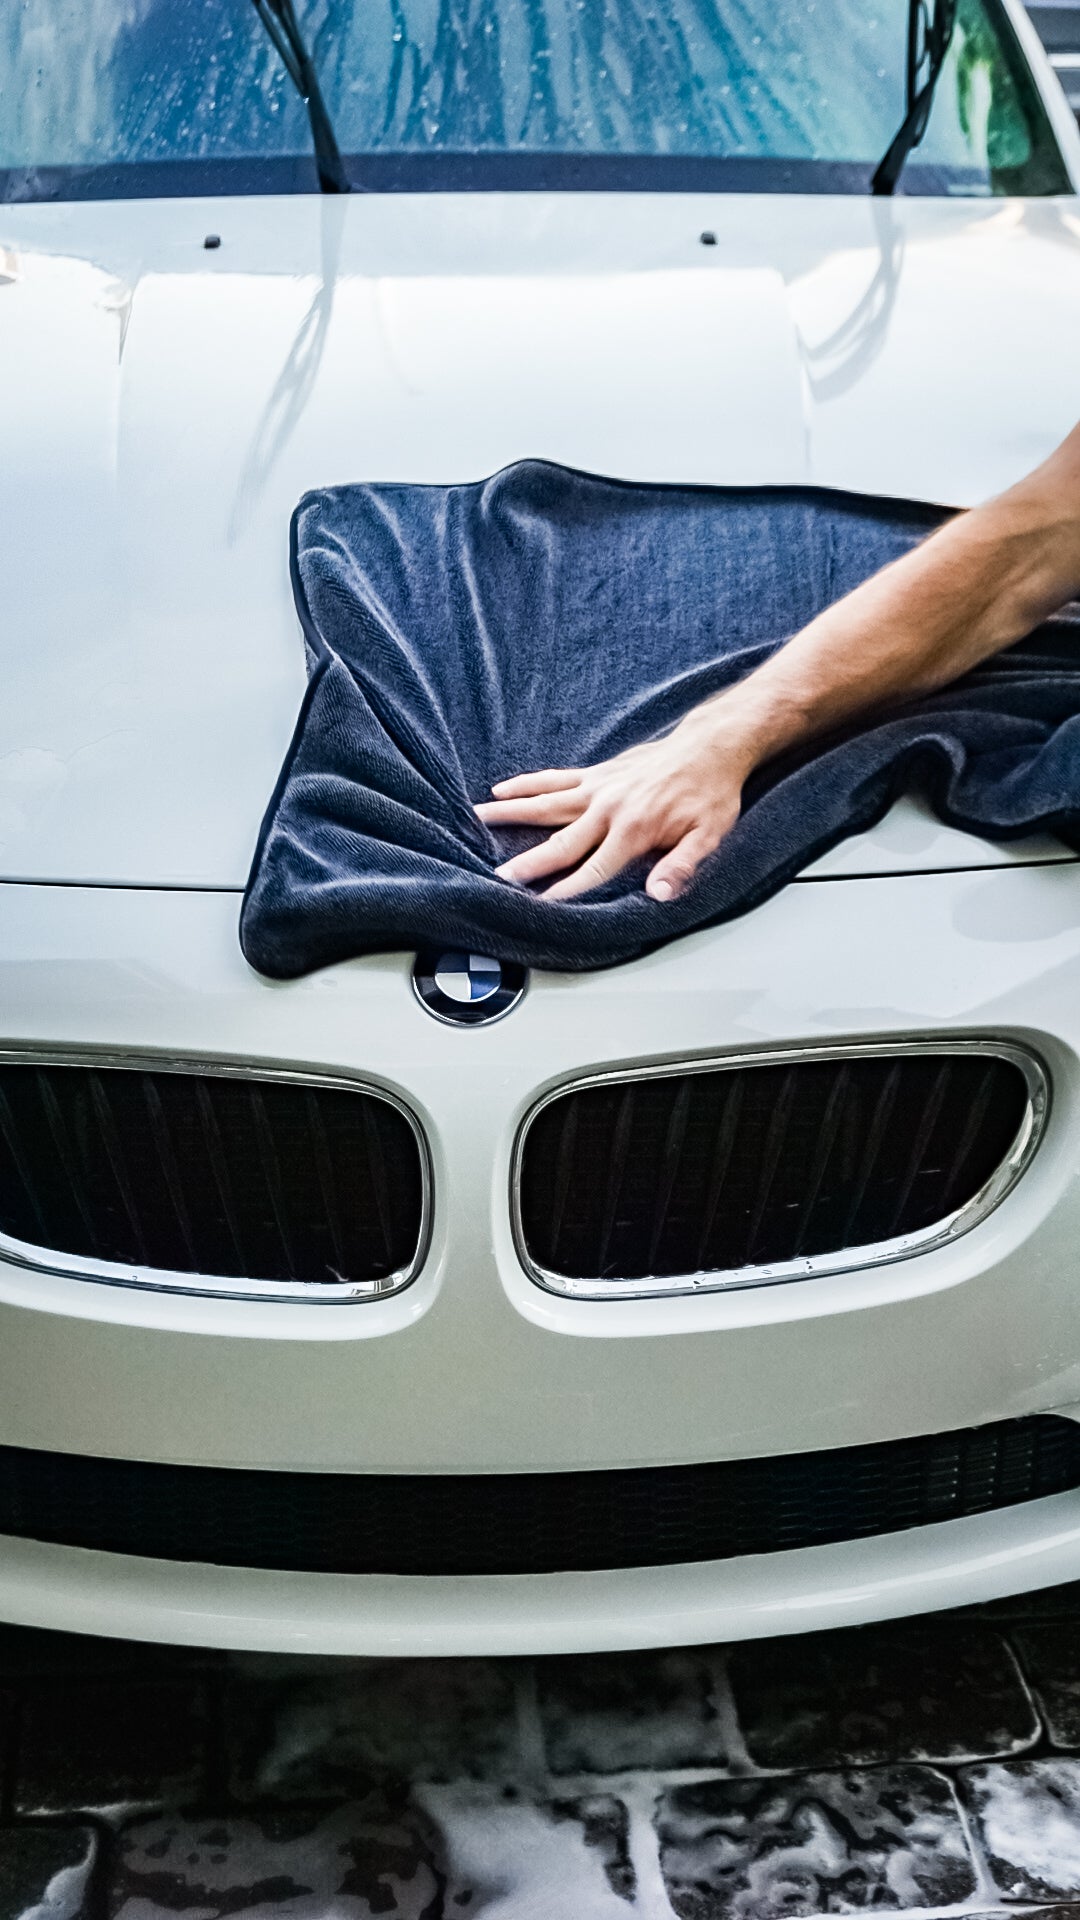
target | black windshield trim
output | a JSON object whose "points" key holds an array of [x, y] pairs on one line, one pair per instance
{"points": [[432, 172]]}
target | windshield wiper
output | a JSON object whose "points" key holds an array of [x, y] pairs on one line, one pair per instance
{"points": [[279, 19], [929, 34]]}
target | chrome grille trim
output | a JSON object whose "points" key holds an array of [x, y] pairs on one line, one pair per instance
{"points": [[44, 1259], [846, 1260]]}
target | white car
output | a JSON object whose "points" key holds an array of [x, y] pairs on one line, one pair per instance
{"points": [[727, 1292]]}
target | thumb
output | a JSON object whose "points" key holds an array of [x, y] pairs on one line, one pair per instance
{"points": [[673, 874]]}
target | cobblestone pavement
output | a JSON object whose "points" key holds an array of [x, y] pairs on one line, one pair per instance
{"points": [[925, 1768]]}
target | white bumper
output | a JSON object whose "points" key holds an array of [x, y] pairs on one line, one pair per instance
{"points": [[473, 1369], [951, 1565]]}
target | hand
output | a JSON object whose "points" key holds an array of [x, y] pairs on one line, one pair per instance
{"points": [[677, 796]]}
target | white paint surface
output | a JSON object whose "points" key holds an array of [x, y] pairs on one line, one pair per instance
{"points": [[163, 408]]}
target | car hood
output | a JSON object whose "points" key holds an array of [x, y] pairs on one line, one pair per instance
{"points": [[165, 402]]}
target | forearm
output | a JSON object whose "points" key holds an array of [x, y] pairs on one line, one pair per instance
{"points": [[982, 581]]}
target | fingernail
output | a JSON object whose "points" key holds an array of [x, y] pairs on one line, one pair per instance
{"points": [[662, 890], [503, 872]]}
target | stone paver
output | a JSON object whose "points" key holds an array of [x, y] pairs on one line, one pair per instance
{"points": [[410, 1856], [104, 1745], [928, 1691], [324, 1732], [923, 1768], [512, 1856], [45, 1872], [352, 1863], [873, 1841], [1027, 1817], [1050, 1652], [612, 1712]]}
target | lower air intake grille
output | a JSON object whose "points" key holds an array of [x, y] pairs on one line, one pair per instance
{"points": [[220, 1175], [746, 1166], [531, 1523]]}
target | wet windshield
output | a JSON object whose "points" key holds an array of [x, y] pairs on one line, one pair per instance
{"points": [[108, 97]]}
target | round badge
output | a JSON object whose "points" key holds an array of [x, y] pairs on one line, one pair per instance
{"points": [[466, 989]]}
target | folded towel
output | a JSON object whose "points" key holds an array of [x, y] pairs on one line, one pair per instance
{"points": [[457, 635]]}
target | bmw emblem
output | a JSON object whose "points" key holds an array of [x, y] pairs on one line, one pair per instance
{"points": [[466, 989]]}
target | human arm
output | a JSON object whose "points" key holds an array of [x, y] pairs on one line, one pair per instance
{"points": [[982, 581]]}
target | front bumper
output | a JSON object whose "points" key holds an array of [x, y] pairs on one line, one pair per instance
{"points": [[72, 1590], [473, 1368]]}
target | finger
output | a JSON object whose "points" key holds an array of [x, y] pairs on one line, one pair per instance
{"points": [[538, 810], [608, 859], [673, 874], [550, 780], [562, 849]]}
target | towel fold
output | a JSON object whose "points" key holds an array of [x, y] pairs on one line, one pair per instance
{"points": [[460, 634]]}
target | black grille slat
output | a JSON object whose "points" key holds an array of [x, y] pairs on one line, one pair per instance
{"points": [[215, 1151], [922, 1137], [378, 1176], [830, 1127], [969, 1137], [320, 1151], [431, 1524], [220, 1176], [770, 1161], [272, 1175], [875, 1140], [9, 1134], [114, 1150], [724, 1146], [737, 1166], [673, 1146], [615, 1178], [66, 1157], [170, 1168], [563, 1168]]}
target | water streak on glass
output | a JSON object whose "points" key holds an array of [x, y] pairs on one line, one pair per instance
{"points": [[92, 82]]}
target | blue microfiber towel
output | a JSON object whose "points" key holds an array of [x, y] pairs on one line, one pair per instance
{"points": [[457, 635]]}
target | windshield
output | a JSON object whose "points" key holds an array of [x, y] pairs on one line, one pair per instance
{"points": [[125, 97]]}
